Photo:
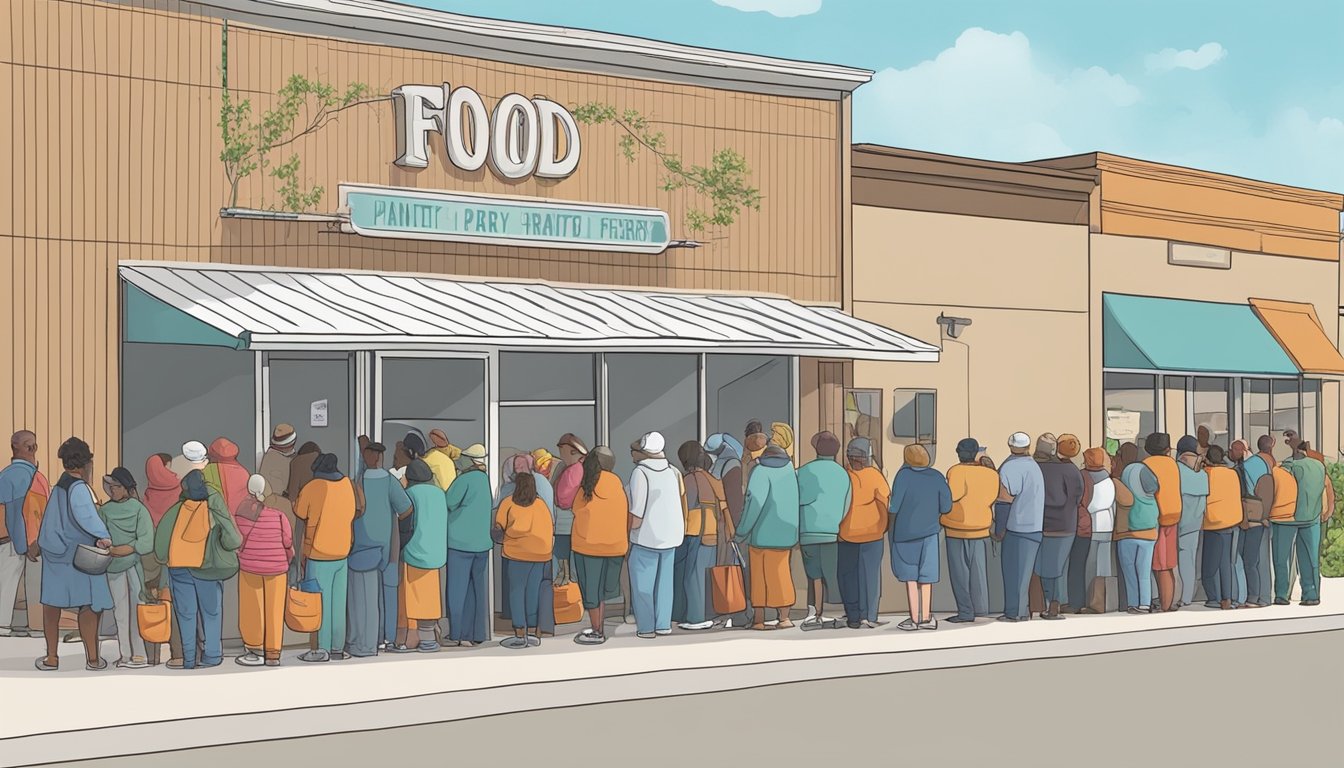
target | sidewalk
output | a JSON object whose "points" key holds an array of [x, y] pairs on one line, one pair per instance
{"points": [[76, 714]]}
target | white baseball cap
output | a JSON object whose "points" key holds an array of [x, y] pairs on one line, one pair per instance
{"points": [[193, 451], [652, 444], [1019, 440]]}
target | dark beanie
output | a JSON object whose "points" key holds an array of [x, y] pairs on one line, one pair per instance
{"points": [[324, 464], [414, 444], [1187, 444], [1157, 443], [419, 472]]}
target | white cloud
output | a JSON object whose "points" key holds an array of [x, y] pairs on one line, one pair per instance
{"points": [[782, 8], [1168, 59], [990, 96]]}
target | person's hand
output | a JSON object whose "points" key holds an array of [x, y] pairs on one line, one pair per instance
{"points": [[104, 543], [121, 550], [34, 552]]}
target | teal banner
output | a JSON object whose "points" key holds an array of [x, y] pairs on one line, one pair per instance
{"points": [[456, 217]]}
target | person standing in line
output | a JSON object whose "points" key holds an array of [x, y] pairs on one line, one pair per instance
{"points": [[919, 497], [469, 546], [132, 534], [327, 506], [163, 489], [225, 473], [657, 528], [1257, 501], [974, 488], [1090, 559], [442, 459], [526, 529], [754, 442], [1194, 500], [274, 467], [198, 564], [375, 555], [263, 578], [71, 519], [859, 550], [781, 434], [727, 469], [300, 475], [1222, 515], [1165, 551], [422, 559], [1314, 505], [1293, 441], [545, 465], [572, 450], [1136, 527], [824, 496], [1063, 494], [706, 521], [1022, 486], [601, 539], [770, 528], [15, 480]]}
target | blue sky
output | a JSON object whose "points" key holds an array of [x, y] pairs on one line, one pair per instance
{"points": [[1250, 88]]}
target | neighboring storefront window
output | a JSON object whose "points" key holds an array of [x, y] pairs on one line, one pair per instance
{"points": [[1311, 412], [1211, 400], [428, 393], [648, 393], [740, 388], [1130, 400], [543, 396], [863, 418], [1271, 406]]}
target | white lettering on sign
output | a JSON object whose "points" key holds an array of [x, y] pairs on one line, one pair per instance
{"points": [[522, 137]]}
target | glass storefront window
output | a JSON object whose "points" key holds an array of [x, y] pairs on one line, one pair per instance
{"points": [[863, 418], [428, 393], [1287, 413], [546, 376], [1255, 410], [655, 392], [1130, 400], [525, 428], [1211, 399], [1311, 413], [740, 388]]}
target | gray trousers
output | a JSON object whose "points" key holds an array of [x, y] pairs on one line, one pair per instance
{"points": [[126, 589], [1187, 553], [1019, 557], [966, 571], [363, 594]]}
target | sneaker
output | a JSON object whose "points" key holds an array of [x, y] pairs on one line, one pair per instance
{"points": [[1133, 611], [428, 646], [175, 664], [1051, 616], [854, 624], [960, 620], [873, 624], [645, 635], [908, 625], [1009, 619], [1311, 602], [590, 638], [7, 632], [340, 655], [135, 662], [315, 656], [394, 648], [534, 640], [932, 623], [1280, 601], [696, 627], [249, 659], [664, 632], [514, 643]]}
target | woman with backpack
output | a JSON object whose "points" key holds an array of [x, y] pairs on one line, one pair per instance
{"points": [[70, 520], [198, 542]]}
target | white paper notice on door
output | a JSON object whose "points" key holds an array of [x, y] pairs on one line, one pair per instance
{"points": [[1122, 425], [317, 414]]}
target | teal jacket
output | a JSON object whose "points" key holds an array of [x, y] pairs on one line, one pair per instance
{"points": [[823, 498], [1311, 480], [770, 519], [469, 512]]}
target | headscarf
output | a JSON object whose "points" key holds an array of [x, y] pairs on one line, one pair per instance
{"points": [[325, 467], [194, 487], [163, 488], [1047, 445], [542, 460], [726, 449], [781, 434], [1094, 458]]}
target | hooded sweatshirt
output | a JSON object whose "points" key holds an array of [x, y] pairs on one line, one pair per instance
{"points": [[656, 499], [275, 468], [327, 503], [163, 490], [727, 469], [771, 518], [823, 496], [128, 522], [232, 477]]}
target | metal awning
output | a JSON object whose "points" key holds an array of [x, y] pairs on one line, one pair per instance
{"points": [[264, 308], [1158, 334]]}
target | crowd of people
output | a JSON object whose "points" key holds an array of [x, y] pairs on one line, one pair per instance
{"points": [[398, 556]]}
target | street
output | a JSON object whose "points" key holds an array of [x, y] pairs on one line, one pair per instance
{"points": [[1061, 711]]}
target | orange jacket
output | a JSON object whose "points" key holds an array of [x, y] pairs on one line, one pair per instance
{"points": [[1168, 489]]}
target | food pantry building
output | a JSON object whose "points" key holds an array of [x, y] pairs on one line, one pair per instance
{"points": [[453, 262]]}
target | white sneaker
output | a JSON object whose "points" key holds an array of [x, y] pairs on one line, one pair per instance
{"points": [[663, 632], [6, 632], [249, 659], [695, 627], [135, 662]]}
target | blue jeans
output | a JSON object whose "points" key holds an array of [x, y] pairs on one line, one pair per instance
{"points": [[1136, 568], [691, 568], [859, 569], [1019, 560], [1252, 541], [467, 601], [524, 592], [333, 581], [195, 598], [1217, 566], [651, 576], [966, 571]]}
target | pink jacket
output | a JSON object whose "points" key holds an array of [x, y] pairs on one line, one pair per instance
{"points": [[268, 542], [567, 486]]}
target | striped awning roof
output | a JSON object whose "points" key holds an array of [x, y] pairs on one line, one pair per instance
{"points": [[271, 309]]}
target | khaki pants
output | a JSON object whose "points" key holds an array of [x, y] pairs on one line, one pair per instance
{"points": [[261, 611]]}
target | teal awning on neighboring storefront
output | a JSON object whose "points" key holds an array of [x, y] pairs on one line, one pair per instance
{"points": [[1153, 334], [151, 321]]}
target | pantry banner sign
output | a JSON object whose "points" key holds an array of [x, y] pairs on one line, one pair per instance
{"points": [[417, 214]]}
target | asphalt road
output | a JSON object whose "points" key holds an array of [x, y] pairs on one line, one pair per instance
{"points": [[1185, 705]]}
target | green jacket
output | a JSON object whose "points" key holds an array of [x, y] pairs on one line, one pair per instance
{"points": [[770, 519], [221, 547], [128, 522], [1311, 480], [823, 496], [469, 512]]}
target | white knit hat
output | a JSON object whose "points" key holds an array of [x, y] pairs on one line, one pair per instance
{"points": [[193, 451], [1019, 440], [652, 444]]}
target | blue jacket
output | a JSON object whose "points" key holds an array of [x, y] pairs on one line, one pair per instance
{"points": [[919, 496], [770, 519], [824, 493], [15, 480]]}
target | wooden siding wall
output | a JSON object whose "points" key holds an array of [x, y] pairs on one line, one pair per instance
{"points": [[111, 153]]}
